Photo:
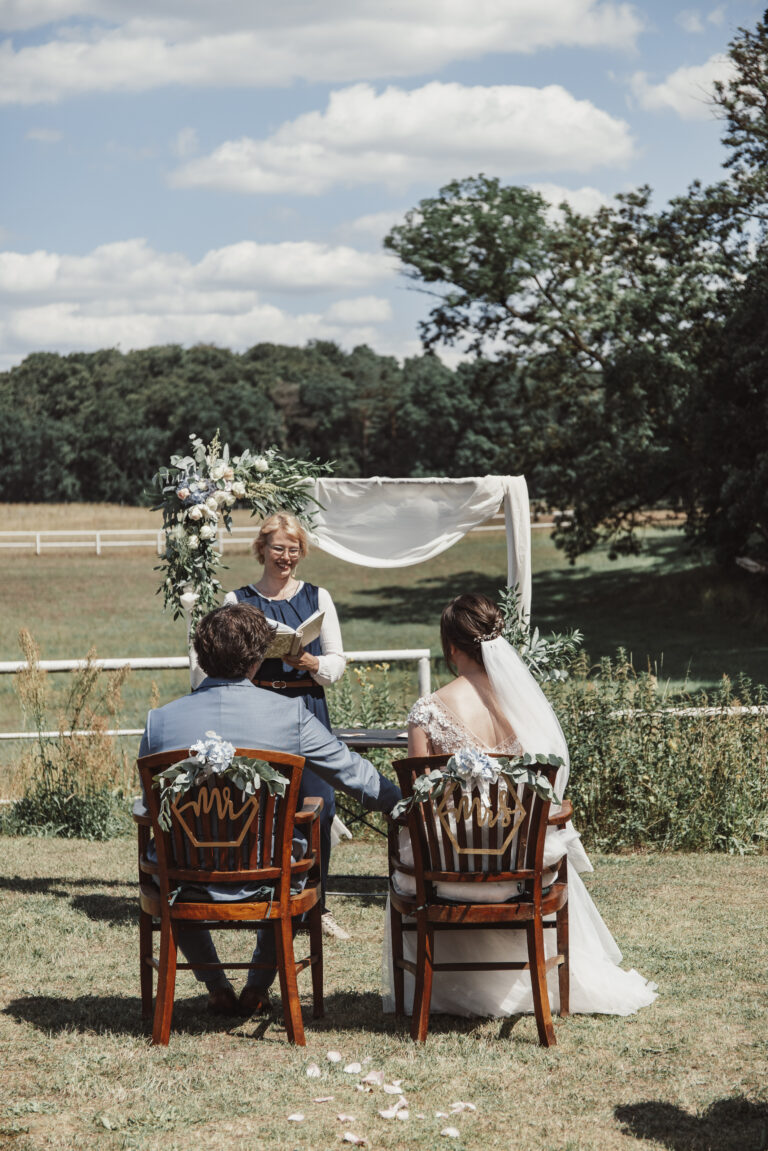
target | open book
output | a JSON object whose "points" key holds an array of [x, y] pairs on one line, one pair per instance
{"points": [[288, 641]]}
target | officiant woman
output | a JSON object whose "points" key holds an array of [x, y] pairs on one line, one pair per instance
{"points": [[279, 547]]}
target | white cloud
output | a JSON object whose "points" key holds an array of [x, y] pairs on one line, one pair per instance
{"points": [[690, 20], [376, 224], [126, 294], [185, 143], [361, 310], [398, 137], [44, 135], [687, 91], [584, 200], [136, 45], [717, 15]]}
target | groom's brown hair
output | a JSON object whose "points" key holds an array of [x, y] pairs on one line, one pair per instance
{"points": [[230, 639]]}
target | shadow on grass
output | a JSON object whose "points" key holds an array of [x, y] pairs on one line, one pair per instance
{"points": [[734, 1124], [121, 1015], [421, 602], [51, 886]]}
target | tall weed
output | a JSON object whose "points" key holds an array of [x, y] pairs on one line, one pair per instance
{"points": [[75, 784]]}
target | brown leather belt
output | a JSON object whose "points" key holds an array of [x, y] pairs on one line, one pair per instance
{"points": [[307, 687]]}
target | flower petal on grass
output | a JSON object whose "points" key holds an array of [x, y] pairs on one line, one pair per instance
{"points": [[457, 1108], [353, 1068], [322, 1099], [403, 1114], [451, 1132], [346, 1118], [392, 1111], [333, 1057], [297, 1117], [313, 1071], [376, 1077], [393, 1088], [358, 1140]]}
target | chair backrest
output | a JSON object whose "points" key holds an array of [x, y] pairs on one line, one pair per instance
{"points": [[461, 836], [220, 834]]}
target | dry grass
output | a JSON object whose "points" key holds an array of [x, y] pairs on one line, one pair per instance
{"points": [[690, 1072]]}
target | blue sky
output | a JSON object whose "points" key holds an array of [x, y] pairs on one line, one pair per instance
{"points": [[185, 171]]}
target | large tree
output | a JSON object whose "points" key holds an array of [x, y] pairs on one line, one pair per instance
{"points": [[605, 327]]}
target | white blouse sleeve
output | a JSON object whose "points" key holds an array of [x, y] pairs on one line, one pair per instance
{"points": [[332, 661]]}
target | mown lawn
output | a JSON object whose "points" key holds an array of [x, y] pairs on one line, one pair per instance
{"points": [[76, 1068]]}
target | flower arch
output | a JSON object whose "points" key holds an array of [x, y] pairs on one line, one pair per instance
{"points": [[197, 494]]}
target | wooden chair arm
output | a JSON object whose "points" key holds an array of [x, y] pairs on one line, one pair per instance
{"points": [[140, 813], [310, 815], [560, 818]]}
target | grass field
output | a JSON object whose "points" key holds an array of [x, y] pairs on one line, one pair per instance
{"points": [[675, 614], [77, 1070]]}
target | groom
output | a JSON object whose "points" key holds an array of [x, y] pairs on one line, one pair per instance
{"points": [[230, 643]]}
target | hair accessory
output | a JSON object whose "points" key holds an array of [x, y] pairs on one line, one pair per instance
{"points": [[497, 631]]}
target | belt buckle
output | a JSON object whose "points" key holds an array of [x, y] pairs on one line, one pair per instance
{"points": [[279, 684]]}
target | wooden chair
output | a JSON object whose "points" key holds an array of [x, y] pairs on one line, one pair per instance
{"points": [[476, 850], [220, 835]]}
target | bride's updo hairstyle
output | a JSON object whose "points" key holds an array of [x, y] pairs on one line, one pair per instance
{"points": [[466, 621]]}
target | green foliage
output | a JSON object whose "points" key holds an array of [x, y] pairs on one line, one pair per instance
{"points": [[548, 658], [646, 775], [59, 802], [77, 784]]}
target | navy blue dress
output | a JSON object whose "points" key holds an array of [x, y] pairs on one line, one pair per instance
{"points": [[293, 612]]}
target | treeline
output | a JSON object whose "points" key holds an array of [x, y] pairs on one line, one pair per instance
{"points": [[95, 426]]}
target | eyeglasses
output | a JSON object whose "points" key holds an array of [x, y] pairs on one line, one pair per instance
{"points": [[292, 553]]}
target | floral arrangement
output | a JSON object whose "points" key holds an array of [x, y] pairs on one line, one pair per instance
{"points": [[548, 658], [214, 756], [197, 493], [473, 768]]}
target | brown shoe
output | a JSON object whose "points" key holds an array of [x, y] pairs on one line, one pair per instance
{"points": [[222, 1001], [254, 1001]]}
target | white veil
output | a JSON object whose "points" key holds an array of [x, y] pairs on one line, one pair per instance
{"points": [[529, 713]]}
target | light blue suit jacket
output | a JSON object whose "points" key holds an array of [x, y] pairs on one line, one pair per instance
{"points": [[249, 716]]}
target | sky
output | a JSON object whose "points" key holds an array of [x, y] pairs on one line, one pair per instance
{"points": [[224, 171]]}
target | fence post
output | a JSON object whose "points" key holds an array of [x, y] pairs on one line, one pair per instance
{"points": [[37, 543], [160, 544], [98, 543], [425, 681]]}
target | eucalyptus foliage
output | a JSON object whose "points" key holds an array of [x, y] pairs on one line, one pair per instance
{"points": [[548, 658], [196, 494]]}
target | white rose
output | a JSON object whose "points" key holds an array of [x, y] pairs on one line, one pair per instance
{"points": [[261, 464], [207, 532], [238, 489], [195, 512], [194, 543], [211, 503], [230, 500], [211, 514], [218, 472], [221, 496]]}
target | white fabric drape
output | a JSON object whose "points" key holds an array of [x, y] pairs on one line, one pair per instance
{"points": [[390, 523]]}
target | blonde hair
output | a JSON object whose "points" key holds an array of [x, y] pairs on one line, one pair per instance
{"points": [[280, 521]]}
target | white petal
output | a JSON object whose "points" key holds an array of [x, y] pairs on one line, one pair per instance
{"points": [[457, 1108], [346, 1118], [376, 1077], [358, 1141], [297, 1117], [313, 1071], [322, 1099], [441, 1114], [392, 1088], [363, 1087], [333, 1057], [451, 1132], [403, 1114], [353, 1069], [393, 1110]]}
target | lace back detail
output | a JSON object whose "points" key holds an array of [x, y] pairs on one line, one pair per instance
{"points": [[446, 733]]}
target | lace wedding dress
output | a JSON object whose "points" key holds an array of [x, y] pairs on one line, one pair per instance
{"points": [[598, 984]]}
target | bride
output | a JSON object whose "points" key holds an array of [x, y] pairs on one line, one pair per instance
{"points": [[495, 704]]}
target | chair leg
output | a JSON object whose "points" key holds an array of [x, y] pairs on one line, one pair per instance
{"points": [[564, 971], [289, 988], [398, 973], [316, 949], [166, 984], [536, 961], [145, 963], [423, 992]]}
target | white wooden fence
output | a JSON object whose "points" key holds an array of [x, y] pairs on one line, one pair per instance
{"points": [[9, 667]]}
